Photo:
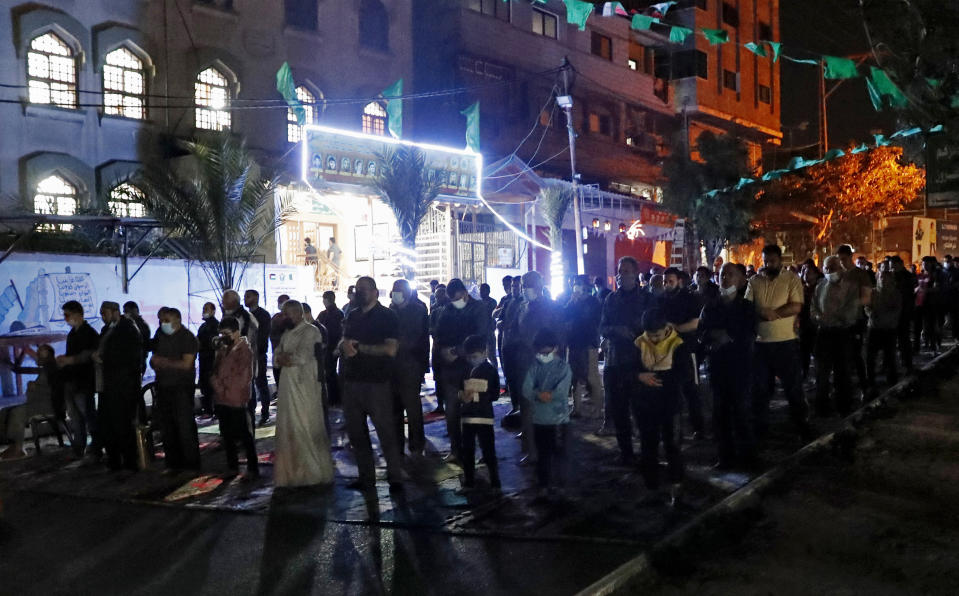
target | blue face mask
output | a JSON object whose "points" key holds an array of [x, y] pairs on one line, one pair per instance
{"points": [[167, 328]]}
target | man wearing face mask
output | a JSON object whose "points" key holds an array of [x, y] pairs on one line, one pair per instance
{"points": [[251, 299], [174, 360], [462, 318], [778, 298], [682, 309], [368, 348], [118, 358], [79, 378], [332, 318], [232, 380], [205, 358], [582, 314], [727, 331], [834, 310], [412, 362], [621, 323]]}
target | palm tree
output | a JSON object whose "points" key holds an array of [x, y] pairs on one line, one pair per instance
{"points": [[554, 201], [407, 186], [217, 208]]}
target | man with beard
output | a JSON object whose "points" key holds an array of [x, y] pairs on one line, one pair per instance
{"points": [[119, 358], [331, 318], [582, 314], [778, 297], [682, 308], [412, 362], [251, 299]]}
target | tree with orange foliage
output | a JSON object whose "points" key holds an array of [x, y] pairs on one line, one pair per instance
{"points": [[842, 197]]}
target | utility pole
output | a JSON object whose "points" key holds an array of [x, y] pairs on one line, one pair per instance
{"points": [[565, 101]]}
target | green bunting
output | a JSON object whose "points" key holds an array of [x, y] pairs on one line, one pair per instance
{"points": [[716, 36], [472, 114], [755, 48], [776, 47], [839, 68], [936, 128], [861, 148], [679, 34], [642, 22], [881, 85], [394, 108], [834, 154], [881, 140], [577, 12], [287, 88], [662, 7]]}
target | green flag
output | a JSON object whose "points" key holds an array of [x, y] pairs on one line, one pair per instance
{"points": [[801, 60], [716, 36], [880, 140], [287, 88], [936, 128], [777, 47], [642, 22], [394, 108], [577, 12], [472, 114], [679, 34], [886, 88], [755, 48], [861, 148], [833, 154], [839, 68], [874, 96]]}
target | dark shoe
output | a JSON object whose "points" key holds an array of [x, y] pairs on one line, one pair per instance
{"points": [[360, 486], [264, 420], [397, 487]]}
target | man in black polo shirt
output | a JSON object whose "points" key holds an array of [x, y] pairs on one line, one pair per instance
{"points": [[682, 309], [79, 378], [412, 362], [251, 298], [174, 360], [368, 348]]}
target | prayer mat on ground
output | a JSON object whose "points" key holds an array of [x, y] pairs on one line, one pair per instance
{"points": [[195, 487]]}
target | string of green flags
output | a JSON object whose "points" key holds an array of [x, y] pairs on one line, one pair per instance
{"points": [[799, 163]]}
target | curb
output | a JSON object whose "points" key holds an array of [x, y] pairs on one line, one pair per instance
{"points": [[748, 498]]}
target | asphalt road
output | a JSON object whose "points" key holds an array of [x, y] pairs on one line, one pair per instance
{"points": [[72, 545]]}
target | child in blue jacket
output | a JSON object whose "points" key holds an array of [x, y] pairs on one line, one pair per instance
{"points": [[546, 391]]}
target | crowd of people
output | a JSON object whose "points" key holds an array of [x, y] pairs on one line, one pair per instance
{"points": [[662, 336]]}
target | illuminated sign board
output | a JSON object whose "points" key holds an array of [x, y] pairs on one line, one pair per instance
{"points": [[333, 155]]}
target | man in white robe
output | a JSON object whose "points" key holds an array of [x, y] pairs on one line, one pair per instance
{"points": [[302, 455]]}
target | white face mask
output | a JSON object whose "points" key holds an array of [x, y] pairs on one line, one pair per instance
{"points": [[397, 298], [546, 358], [729, 292], [459, 304], [167, 328], [531, 294], [833, 277], [207, 315]]}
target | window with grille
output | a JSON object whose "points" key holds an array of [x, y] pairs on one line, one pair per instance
{"points": [[544, 23], [294, 132], [212, 96], [765, 94], [126, 200], [52, 72], [374, 119], [124, 87], [601, 46], [55, 196], [731, 80]]}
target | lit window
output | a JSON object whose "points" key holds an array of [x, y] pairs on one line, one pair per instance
{"points": [[124, 85], [212, 95], [374, 119], [55, 196], [126, 200], [52, 72], [293, 130], [544, 23]]}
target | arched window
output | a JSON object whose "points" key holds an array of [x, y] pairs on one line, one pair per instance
{"points": [[52, 72], [212, 96], [126, 200], [374, 25], [124, 85], [293, 130], [55, 196], [374, 119]]}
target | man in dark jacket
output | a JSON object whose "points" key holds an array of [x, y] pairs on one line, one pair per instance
{"points": [[174, 360], [480, 390], [508, 346], [209, 330], [491, 306], [251, 298], [131, 310], [462, 318], [331, 318], [412, 362], [499, 312], [119, 358], [727, 331], [682, 309], [79, 378], [621, 323], [906, 284], [581, 315]]}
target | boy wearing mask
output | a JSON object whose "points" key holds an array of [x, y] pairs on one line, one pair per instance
{"points": [[480, 390], [546, 391], [231, 381], [663, 369]]}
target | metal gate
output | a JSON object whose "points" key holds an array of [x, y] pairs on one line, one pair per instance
{"points": [[433, 247]]}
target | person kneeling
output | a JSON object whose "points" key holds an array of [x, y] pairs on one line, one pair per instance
{"points": [[546, 391], [480, 390], [231, 380], [663, 366]]}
